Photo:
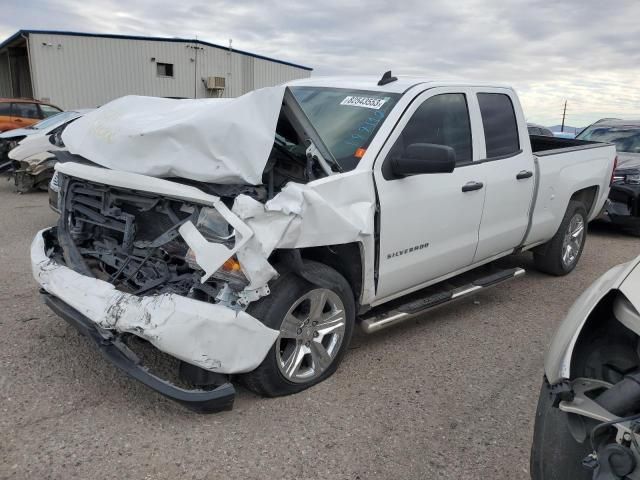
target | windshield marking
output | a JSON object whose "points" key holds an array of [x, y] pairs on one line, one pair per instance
{"points": [[364, 102]]}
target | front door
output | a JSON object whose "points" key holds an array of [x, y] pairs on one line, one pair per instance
{"points": [[429, 223]]}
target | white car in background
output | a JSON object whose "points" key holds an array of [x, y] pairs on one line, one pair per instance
{"points": [[11, 138], [32, 159]]}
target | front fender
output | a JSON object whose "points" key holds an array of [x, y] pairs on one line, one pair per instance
{"points": [[557, 363]]}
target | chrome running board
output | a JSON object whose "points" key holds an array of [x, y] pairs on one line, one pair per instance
{"points": [[377, 321]]}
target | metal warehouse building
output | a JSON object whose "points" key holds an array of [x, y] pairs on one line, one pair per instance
{"points": [[80, 70]]}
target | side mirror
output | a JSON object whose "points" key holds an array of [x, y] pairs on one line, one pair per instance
{"points": [[56, 138], [421, 158]]}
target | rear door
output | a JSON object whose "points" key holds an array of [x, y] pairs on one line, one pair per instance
{"points": [[24, 114], [509, 169], [429, 222]]}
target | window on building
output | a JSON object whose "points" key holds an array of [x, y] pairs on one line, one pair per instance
{"points": [[440, 120], [164, 69], [500, 125], [49, 110], [25, 110]]}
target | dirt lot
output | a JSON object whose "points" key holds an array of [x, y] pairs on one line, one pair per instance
{"points": [[450, 395]]}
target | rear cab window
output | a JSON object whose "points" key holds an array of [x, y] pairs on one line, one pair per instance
{"points": [[5, 109], [500, 125]]}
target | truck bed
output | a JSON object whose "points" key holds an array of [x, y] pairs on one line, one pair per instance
{"points": [[565, 166], [543, 146]]}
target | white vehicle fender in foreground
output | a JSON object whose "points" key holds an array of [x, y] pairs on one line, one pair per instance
{"points": [[328, 212], [624, 277]]}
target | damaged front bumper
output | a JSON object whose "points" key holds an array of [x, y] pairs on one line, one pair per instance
{"points": [[207, 335], [33, 172], [202, 401]]}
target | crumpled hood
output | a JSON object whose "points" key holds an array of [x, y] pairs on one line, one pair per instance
{"points": [[628, 161], [225, 141]]}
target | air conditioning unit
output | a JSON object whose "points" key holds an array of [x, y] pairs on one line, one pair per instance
{"points": [[215, 83]]}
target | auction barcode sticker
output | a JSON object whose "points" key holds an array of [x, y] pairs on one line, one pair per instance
{"points": [[366, 102]]}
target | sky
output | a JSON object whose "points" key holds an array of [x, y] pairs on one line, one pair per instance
{"points": [[586, 52]]}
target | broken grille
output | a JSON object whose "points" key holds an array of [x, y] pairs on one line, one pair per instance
{"points": [[130, 238]]}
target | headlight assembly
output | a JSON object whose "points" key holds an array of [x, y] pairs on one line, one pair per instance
{"points": [[215, 228]]}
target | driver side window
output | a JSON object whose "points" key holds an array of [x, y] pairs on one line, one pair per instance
{"points": [[441, 120]]}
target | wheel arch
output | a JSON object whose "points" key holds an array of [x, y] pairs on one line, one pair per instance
{"points": [[347, 259], [587, 196], [606, 348]]}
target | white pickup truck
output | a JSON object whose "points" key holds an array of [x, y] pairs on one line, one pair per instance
{"points": [[247, 237]]}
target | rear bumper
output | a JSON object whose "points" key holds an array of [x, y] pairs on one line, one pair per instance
{"points": [[202, 401]]}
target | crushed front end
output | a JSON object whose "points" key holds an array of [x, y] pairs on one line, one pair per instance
{"points": [[117, 265], [33, 173]]}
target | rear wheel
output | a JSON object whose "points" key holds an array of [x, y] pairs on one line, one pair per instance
{"points": [[560, 255], [315, 325]]}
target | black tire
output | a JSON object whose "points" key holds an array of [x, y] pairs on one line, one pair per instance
{"points": [[267, 379], [555, 453], [548, 257]]}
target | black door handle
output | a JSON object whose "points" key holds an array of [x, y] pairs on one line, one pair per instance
{"points": [[471, 186], [522, 174]]}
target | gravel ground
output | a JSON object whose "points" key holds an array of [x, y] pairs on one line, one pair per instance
{"points": [[450, 395]]}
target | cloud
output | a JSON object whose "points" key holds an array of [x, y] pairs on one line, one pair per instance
{"points": [[583, 51]]}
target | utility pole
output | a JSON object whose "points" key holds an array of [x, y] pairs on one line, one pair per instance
{"points": [[564, 114]]}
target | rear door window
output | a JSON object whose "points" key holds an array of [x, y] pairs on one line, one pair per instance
{"points": [[25, 110], [500, 124]]}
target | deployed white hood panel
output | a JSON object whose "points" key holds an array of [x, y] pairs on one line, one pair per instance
{"points": [[225, 141]]}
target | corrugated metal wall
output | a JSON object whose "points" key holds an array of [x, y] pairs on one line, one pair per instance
{"points": [[77, 71]]}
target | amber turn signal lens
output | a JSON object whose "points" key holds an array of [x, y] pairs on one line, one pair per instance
{"points": [[231, 265]]}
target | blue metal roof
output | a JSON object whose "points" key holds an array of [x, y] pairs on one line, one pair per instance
{"points": [[155, 39]]}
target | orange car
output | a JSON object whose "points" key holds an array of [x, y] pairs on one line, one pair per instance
{"points": [[20, 113]]}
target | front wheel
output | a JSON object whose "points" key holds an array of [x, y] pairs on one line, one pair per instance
{"points": [[315, 324], [560, 255]]}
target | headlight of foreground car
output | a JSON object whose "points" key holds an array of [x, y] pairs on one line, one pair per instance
{"points": [[215, 228], [632, 179]]}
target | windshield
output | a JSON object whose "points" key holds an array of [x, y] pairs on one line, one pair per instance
{"points": [[346, 120], [626, 139], [53, 120]]}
